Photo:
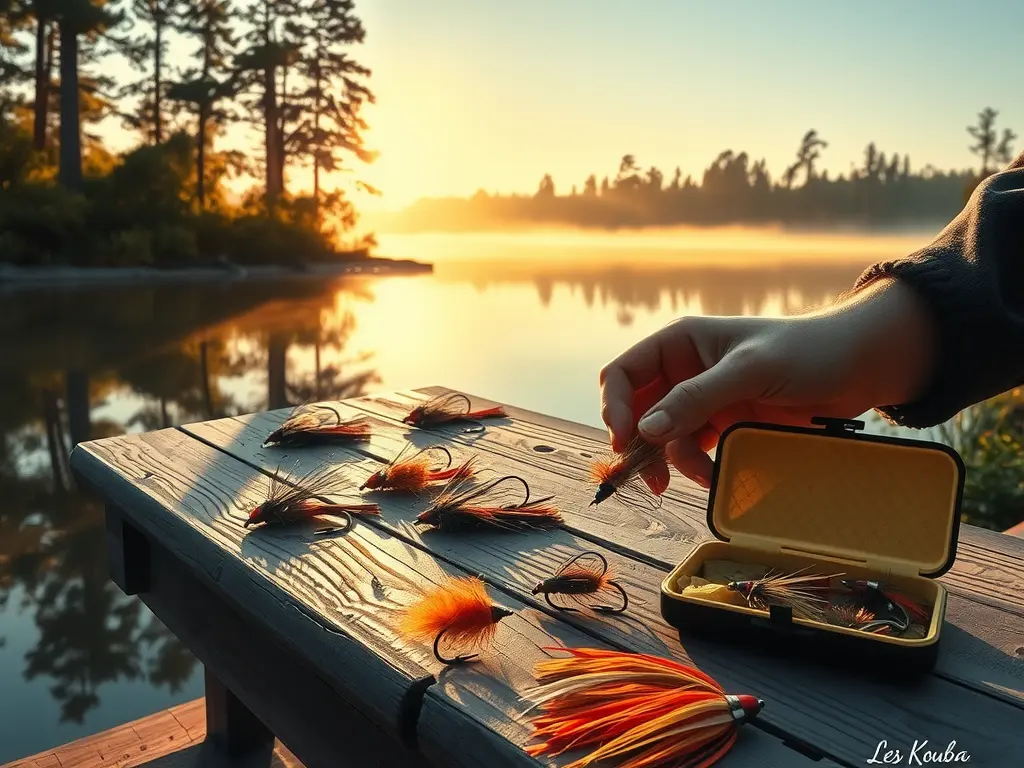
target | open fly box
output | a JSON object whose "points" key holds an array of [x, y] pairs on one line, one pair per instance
{"points": [[874, 519]]}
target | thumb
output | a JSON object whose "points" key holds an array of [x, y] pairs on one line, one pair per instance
{"points": [[690, 404]]}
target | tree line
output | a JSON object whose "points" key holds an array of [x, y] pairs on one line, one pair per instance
{"points": [[880, 189], [282, 66]]}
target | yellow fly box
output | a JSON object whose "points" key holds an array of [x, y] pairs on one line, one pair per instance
{"points": [[830, 544]]}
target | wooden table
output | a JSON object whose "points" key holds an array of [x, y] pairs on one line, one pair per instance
{"points": [[294, 628]]}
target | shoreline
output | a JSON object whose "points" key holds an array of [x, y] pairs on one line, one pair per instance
{"points": [[12, 277]]}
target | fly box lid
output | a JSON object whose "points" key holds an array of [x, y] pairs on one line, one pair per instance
{"points": [[892, 504]]}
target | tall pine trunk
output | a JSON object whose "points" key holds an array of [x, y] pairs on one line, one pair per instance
{"points": [[316, 141], [70, 121], [158, 132], [271, 125], [42, 87]]}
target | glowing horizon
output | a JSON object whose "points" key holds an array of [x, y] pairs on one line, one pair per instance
{"points": [[493, 96]]}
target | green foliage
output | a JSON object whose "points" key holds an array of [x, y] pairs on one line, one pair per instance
{"points": [[164, 203], [990, 438]]}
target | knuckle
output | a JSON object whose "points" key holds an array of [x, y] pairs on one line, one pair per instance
{"points": [[602, 375]]}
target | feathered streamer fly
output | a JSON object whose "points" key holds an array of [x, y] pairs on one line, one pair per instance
{"points": [[646, 711], [463, 506], [806, 594], [414, 473], [459, 610], [317, 425], [902, 608], [291, 504], [442, 409], [584, 575], [620, 474]]}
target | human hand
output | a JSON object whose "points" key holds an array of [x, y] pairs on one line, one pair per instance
{"points": [[697, 376]]}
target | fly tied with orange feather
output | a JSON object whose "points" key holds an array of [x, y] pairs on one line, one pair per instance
{"points": [[621, 474], [458, 610], [412, 474], [585, 575], [442, 409], [317, 425], [463, 506], [288, 505], [648, 711]]}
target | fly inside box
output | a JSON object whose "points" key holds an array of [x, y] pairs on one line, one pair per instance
{"points": [[825, 534]]}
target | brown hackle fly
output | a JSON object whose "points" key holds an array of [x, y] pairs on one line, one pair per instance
{"points": [[443, 409], [805, 594], [317, 424], [289, 504], [413, 474], [621, 474], [584, 580], [500, 504]]}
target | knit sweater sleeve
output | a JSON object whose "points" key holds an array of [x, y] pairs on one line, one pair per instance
{"points": [[971, 277]]}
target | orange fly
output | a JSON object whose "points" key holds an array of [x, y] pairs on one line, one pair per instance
{"points": [[458, 609], [317, 425], [415, 473], [288, 505], [620, 474], [648, 711], [585, 574], [461, 506], [442, 409]]}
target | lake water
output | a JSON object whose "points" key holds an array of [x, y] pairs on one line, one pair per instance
{"points": [[526, 319]]}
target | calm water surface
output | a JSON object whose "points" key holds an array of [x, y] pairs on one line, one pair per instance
{"points": [[523, 319]]}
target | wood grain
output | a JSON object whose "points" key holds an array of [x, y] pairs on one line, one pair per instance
{"points": [[192, 500], [517, 562], [172, 738], [203, 488]]}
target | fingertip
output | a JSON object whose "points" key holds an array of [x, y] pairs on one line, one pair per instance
{"points": [[688, 458], [657, 477]]}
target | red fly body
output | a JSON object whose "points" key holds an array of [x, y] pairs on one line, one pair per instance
{"points": [[412, 474], [318, 425], [288, 505], [442, 409], [462, 506]]}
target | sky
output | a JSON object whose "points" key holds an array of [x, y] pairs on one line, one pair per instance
{"points": [[493, 94]]}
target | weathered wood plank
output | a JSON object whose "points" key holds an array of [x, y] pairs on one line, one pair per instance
{"points": [[989, 565], [172, 738], [517, 562], [206, 487], [192, 501], [288, 693], [982, 649], [985, 651]]}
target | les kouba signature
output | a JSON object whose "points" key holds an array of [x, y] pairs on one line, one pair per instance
{"points": [[919, 754]]}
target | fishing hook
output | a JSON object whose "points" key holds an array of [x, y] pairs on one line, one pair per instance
{"points": [[443, 450], [526, 486], [598, 555], [337, 416], [454, 660], [349, 523]]}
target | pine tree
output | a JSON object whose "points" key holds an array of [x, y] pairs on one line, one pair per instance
{"points": [[335, 91]]}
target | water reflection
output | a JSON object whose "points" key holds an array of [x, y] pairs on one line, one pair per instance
{"points": [[752, 289], [91, 364], [77, 656]]}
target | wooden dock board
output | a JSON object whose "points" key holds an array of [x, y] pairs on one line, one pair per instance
{"points": [[515, 563], [189, 489], [169, 739]]}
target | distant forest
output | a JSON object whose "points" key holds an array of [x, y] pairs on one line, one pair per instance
{"points": [[176, 74], [884, 190]]}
